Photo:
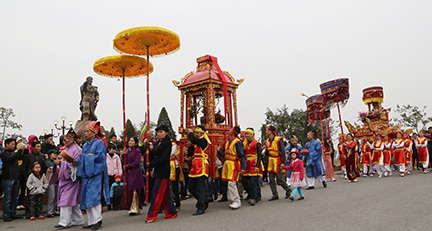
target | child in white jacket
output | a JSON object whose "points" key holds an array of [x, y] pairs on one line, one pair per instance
{"points": [[37, 186]]}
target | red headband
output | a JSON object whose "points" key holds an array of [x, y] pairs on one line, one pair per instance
{"points": [[233, 131], [273, 131]]}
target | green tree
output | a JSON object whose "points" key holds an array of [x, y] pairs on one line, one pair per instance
{"points": [[288, 124], [165, 120], [112, 132], [5, 120], [412, 117], [130, 130]]}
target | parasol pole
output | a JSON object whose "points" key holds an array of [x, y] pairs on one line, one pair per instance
{"points": [[340, 118], [322, 130], [124, 135], [148, 119]]}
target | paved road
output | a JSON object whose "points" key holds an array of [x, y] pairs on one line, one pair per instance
{"points": [[392, 203]]}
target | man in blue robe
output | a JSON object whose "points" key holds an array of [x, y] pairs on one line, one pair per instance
{"points": [[314, 165], [92, 170]]}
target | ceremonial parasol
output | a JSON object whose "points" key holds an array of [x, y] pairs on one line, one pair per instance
{"points": [[336, 92], [149, 41], [122, 66], [316, 110]]}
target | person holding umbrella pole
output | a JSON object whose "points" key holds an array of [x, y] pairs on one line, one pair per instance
{"points": [[160, 170]]}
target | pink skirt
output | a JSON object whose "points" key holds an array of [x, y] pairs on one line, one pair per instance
{"points": [[295, 180]]}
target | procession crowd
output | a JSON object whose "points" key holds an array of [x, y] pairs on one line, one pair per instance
{"points": [[81, 177]]}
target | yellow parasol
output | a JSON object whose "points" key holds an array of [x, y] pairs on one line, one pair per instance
{"points": [[122, 66], [149, 41], [119, 66]]}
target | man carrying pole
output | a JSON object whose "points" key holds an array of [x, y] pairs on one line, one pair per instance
{"points": [[200, 167]]}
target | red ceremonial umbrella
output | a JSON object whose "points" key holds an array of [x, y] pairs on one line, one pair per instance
{"points": [[336, 93]]}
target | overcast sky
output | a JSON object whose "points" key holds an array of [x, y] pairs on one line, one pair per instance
{"points": [[280, 48]]}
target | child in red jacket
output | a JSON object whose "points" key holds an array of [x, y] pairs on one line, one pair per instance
{"points": [[297, 176]]}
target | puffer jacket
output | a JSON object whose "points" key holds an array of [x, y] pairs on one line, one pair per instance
{"points": [[114, 165], [37, 185]]}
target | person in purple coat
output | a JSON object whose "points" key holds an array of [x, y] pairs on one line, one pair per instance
{"points": [[69, 185], [133, 177]]}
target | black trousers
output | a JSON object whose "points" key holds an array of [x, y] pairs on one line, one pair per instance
{"points": [[175, 188], [251, 185], [116, 202], [265, 173], [223, 185], [211, 188], [35, 208], [197, 186], [23, 189], [430, 155], [415, 159], [184, 184]]}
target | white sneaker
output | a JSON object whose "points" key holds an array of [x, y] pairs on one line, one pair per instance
{"points": [[386, 174], [235, 205], [364, 175], [333, 179], [379, 176]]}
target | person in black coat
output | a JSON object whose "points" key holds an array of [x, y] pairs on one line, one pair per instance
{"points": [[27, 165], [160, 170], [48, 144], [10, 157]]}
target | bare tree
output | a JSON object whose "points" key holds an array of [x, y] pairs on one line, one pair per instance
{"points": [[412, 117], [5, 120]]}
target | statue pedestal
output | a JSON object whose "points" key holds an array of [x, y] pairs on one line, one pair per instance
{"points": [[80, 125]]}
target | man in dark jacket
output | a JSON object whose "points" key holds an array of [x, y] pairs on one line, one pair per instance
{"points": [[34, 156], [28, 162], [160, 167], [10, 180], [48, 144]]}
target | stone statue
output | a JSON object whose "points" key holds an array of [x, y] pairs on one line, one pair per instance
{"points": [[89, 100]]}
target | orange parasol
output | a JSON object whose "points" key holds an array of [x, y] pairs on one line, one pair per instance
{"points": [[149, 41], [122, 66]]}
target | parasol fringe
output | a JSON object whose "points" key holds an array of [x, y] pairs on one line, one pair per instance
{"points": [[153, 56]]}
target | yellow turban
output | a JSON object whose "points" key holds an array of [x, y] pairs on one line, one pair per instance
{"points": [[198, 129], [250, 131]]}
